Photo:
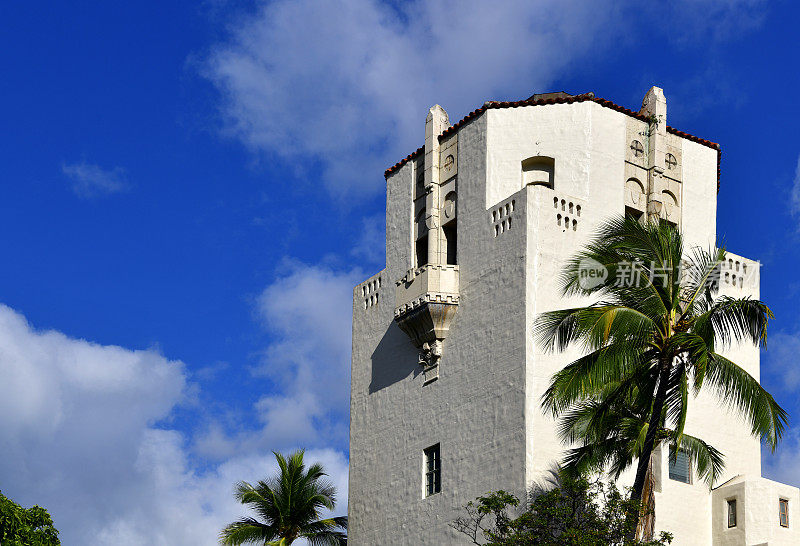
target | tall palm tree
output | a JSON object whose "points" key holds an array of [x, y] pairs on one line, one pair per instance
{"points": [[653, 334], [289, 505]]}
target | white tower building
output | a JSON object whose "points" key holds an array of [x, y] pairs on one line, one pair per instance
{"points": [[446, 377]]}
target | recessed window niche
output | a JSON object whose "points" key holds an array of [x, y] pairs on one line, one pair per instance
{"points": [[538, 171]]}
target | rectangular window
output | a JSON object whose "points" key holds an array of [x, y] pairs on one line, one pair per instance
{"points": [[732, 513], [680, 468], [784, 512], [433, 471]]}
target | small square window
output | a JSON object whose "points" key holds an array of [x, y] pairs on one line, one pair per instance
{"points": [[680, 468], [732, 513], [783, 507], [433, 470]]}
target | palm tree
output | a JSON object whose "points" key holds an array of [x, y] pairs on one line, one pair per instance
{"points": [[609, 430], [651, 338], [289, 505]]}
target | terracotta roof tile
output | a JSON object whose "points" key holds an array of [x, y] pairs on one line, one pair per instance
{"points": [[403, 161], [558, 100]]}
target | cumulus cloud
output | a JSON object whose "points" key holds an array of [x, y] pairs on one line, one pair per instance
{"points": [[784, 465], [349, 82], [73, 418], [183, 507], [346, 85], [780, 361], [781, 375], [84, 432], [308, 314], [90, 180], [371, 243]]}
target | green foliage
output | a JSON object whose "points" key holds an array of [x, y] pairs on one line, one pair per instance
{"points": [[573, 512], [651, 341], [25, 526], [289, 506]]}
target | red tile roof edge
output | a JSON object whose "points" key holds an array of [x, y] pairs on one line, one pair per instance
{"points": [[560, 100], [403, 161]]}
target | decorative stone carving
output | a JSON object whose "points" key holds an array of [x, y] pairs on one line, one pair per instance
{"points": [[634, 194], [426, 298], [449, 158], [427, 323], [431, 353], [426, 303], [670, 209], [450, 206]]}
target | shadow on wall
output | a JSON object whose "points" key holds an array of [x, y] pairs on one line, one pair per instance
{"points": [[394, 359]]}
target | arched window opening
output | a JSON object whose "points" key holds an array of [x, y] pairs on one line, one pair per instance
{"points": [[538, 171], [450, 217], [420, 240]]}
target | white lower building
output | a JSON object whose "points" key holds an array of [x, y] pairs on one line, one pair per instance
{"points": [[446, 377]]}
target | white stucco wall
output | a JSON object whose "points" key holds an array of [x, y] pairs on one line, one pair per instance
{"points": [[758, 517], [475, 410], [484, 409]]}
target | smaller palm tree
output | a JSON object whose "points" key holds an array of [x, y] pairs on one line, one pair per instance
{"points": [[289, 505]]}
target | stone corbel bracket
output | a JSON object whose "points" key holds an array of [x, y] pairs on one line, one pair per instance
{"points": [[426, 302]]}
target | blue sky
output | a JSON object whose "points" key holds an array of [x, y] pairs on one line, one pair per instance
{"points": [[189, 191]]}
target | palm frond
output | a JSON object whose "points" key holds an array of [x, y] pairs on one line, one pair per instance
{"points": [[290, 504], [740, 390], [246, 531], [707, 460], [734, 319], [677, 403], [700, 280], [589, 374]]}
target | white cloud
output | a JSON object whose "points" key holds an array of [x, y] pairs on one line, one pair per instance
{"points": [[371, 243], [784, 464], [79, 435], [182, 507], [781, 373], [90, 180], [349, 83], [308, 313], [780, 361]]}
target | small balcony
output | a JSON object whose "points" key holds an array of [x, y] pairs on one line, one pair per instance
{"points": [[431, 283], [426, 300]]}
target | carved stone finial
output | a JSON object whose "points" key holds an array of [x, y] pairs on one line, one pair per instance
{"points": [[655, 106]]}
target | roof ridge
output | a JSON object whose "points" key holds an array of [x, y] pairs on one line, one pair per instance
{"points": [[489, 105]]}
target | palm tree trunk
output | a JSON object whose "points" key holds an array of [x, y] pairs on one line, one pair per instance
{"points": [[652, 430], [647, 517]]}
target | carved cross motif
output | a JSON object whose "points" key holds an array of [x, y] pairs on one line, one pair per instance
{"points": [[637, 148], [671, 161]]}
